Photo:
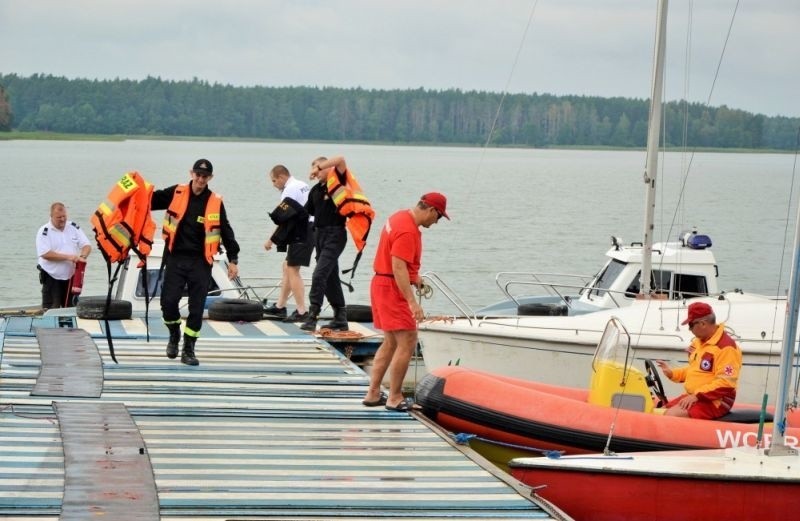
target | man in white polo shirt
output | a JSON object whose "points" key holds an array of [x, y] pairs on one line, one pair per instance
{"points": [[60, 245], [298, 244]]}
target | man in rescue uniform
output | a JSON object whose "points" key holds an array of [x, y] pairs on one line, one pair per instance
{"points": [[330, 240], [60, 245], [711, 378], [395, 309], [194, 223]]}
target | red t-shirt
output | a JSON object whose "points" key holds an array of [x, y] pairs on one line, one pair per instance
{"points": [[400, 237]]}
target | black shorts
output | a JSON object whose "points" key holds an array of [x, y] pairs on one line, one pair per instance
{"points": [[299, 253]]}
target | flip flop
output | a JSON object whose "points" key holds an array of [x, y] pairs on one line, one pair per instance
{"points": [[375, 403], [403, 406]]}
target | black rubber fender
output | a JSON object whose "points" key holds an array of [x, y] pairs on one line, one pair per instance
{"points": [[359, 313], [542, 309], [95, 308], [236, 310]]}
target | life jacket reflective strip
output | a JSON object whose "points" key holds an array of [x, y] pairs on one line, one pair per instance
{"points": [[351, 203], [211, 220], [123, 222]]}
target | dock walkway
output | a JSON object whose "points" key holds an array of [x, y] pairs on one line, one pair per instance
{"points": [[268, 426]]}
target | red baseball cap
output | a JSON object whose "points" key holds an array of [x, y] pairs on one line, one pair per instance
{"points": [[436, 200], [697, 310]]}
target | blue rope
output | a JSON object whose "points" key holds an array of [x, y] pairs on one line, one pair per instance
{"points": [[463, 438]]}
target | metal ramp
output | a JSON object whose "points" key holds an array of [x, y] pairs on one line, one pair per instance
{"points": [[71, 365], [107, 472]]}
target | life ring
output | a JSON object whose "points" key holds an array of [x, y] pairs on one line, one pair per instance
{"points": [[359, 313], [95, 308], [542, 308], [235, 310]]}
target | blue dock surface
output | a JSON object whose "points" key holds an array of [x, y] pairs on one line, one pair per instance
{"points": [[270, 425]]}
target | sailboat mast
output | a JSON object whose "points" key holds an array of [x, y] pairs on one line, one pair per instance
{"points": [[778, 442], [653, 136]]}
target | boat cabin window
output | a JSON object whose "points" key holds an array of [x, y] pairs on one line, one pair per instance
{"points": [[690, 285], [152, 291], [678, 285], [607, 277], [660, 283]]}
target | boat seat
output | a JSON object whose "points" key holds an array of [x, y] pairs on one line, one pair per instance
{"points": [[745, 416]]}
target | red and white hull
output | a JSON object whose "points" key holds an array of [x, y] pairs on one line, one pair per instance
{"points": [[731, 484]]}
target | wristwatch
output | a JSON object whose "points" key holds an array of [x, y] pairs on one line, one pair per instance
{"points": [[234, 261]]}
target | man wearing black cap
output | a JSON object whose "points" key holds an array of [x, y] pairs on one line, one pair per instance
{"points": [[395, 309], [194, 224]]}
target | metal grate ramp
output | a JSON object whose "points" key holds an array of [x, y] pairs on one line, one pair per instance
{"points": [[71, 365], [107, 471]]}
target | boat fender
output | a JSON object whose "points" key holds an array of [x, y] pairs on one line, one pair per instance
{"points": [[359, 313], [95, 308], [235, 310]]}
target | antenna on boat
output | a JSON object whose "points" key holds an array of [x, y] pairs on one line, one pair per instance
{"points": [[653, 136]]}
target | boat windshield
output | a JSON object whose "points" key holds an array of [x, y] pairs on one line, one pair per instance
{"points": [[614, 345], [607, 277]]}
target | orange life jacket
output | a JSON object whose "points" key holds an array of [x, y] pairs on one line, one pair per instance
{"points": [[351, 203], [211, 220], [123, 222]]}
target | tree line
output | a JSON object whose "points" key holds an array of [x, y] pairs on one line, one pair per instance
{"points": [[157, 107]]}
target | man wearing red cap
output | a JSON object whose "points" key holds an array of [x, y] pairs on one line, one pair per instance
{"points": [[712, 375], [395, 311]]}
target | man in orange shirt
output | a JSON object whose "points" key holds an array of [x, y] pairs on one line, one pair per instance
{"points": [[395, 311], [712, 375]]}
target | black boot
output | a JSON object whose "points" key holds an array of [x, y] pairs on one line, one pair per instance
{"points": [[187, 355], [310, 323], [339, 322], [174, 339]]}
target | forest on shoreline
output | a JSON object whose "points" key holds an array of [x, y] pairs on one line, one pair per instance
{"points": [[44, 105]]}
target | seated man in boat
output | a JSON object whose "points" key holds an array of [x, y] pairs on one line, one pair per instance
{"points": [[712, 375]]}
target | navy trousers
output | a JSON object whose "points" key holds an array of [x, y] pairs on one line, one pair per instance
{"points": [[330, 243], [192, 273]]}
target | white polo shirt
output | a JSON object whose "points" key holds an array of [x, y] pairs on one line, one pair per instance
{"points": [[297, 190], [69, 241]]}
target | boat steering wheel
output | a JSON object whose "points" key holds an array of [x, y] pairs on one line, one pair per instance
{"points": [[654, 383]]}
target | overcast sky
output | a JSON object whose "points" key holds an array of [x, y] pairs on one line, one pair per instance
{"points": [[591, 47]]}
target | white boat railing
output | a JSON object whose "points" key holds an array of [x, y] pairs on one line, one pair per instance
{"points": [[248, 287], [551, 287], [433, 280], [566, 291], [577, 331]]}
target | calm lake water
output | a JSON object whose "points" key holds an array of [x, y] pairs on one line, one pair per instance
{"points": [[511, 210]]}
